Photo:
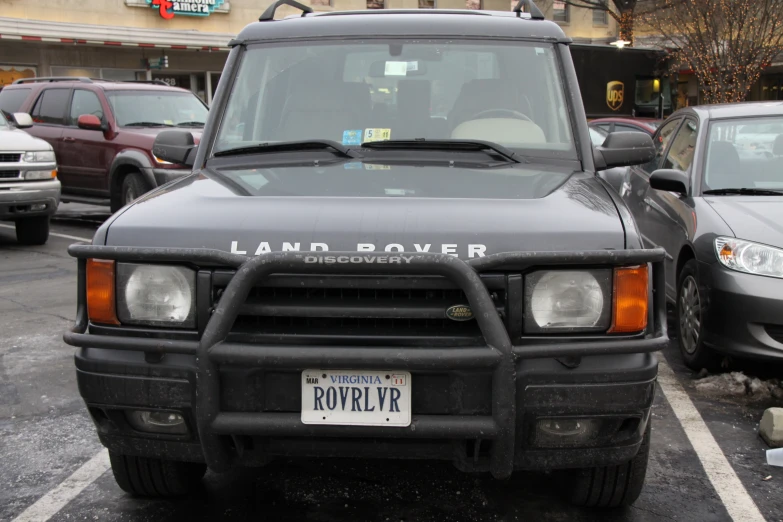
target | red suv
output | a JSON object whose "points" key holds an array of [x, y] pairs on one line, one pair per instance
{"points": [[102, 132]]}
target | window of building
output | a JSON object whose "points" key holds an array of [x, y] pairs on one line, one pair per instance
{"points": [[10, 73], [84, 102], [560, 12], [473, 5], [600, 16], [426, 4], [50, 107], [86, 72], [376, 4]]}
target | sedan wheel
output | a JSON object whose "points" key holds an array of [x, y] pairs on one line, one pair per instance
{"points": [[690, 315], [690, 320]]}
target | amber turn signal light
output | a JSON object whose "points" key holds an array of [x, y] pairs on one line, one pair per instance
{"points": [[631, 288], [100, 292]]}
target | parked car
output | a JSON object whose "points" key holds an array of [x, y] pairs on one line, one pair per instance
{"points": [[29, 188], [716, 205], [102, 132], [647, 125], [327, 285]]}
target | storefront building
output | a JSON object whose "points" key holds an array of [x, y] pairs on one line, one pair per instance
{"points": [[117, 39]]}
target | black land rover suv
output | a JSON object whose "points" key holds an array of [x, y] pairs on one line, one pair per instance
{"points": [[394, 244]]}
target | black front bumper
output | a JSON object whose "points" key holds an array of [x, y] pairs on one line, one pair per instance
{"points": [[493, 394]]}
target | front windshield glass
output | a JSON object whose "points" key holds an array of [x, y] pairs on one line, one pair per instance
{"points": [[3, 121], [156, 108], [353, 92], [745, 153]]}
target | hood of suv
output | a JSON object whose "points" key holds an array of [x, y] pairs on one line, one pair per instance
{"points": [[16, 140], [543, 211]]}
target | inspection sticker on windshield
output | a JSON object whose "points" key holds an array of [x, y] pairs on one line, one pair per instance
{"points": [[352, 137], [396, 69], [376, 134], [356, 397]]}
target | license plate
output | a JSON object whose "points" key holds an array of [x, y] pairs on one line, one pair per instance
{"points": [[356, 397]]}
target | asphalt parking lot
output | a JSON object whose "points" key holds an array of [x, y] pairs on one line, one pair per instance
{"points": [[707, 461]]}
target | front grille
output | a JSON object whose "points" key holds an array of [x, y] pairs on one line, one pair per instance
{"points": [[10, 158], [345, 310], [775, 331], [9, 174]]}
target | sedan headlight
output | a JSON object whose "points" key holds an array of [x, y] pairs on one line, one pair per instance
{"points": [[156, 295], [748, 257], [568, 300], [43, 156]]}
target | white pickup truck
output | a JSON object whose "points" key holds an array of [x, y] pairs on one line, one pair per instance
{"points": [[29, 188]]}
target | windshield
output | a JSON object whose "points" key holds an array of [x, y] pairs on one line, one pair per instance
{"points": [[745, 153], [597, 135], [156, 108], [3, 121], [353, 92]]}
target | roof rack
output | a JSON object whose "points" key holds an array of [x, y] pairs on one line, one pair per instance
{"points": [[41, 79], [269, 14], [532, 8], [151, 82]]}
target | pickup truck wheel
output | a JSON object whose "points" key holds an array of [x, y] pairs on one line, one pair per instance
{"points": [[690, 318], [32, 230], [612, 486], [151, 477]]}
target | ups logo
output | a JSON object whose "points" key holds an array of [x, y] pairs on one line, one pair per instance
{"points": [[615, 91]]}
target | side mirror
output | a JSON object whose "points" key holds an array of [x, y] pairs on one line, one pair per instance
{"points": [[671, 180], [623, 149], [23, 120], [174, 146], [89, 122]]}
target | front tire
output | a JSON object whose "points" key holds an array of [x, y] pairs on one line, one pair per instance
{"points": [[133, 186], [690, 320], [613, 486], [32, 230], [149, 477]]}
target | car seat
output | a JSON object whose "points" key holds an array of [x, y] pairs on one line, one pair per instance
{"points": [[723, 166], [325, 111]]}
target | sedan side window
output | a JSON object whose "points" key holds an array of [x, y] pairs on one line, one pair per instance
{"points": [[84, 102], [50, 107], [661, 140], [680, 154]]}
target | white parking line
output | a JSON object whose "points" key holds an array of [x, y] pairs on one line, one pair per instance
{"points": [[56, 499], [64, 236], [725, 481]]}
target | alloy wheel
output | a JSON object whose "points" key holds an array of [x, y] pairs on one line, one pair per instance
{"points": [[690, 314]]}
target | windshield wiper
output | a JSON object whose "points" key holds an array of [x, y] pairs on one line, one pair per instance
{"points": [[191, 124], [446, 144], [290, 146], [744, 192], [147, 124]]}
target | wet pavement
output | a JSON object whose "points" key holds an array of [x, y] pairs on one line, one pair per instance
{"points": [[46, 435]]}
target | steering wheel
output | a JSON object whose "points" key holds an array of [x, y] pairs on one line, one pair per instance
{"points": [[499, 113]]}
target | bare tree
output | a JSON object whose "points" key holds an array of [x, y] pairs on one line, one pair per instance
{"points": [[624, 13], [726, 43]]}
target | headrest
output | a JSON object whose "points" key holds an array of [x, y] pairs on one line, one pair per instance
{"points": [[777, 146]]}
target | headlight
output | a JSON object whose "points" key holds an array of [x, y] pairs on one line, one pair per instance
{"points": [[32, 175], [751, 258], [44, 156], [156, 295], [568, 300]]}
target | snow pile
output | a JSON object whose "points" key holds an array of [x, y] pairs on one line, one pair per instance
{"points": [[737, 383]]}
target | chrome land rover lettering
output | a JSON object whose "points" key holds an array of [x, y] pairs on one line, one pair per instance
{"points": [[453, 249]]}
